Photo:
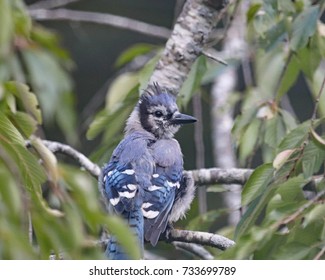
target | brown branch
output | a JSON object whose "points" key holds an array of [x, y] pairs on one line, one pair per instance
{"points": [[101, 18]]}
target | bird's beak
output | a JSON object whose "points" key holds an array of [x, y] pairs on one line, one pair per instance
{"points": [[182, 119]]}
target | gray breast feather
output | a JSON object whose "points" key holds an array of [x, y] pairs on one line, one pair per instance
{"points": [[167, 152]]}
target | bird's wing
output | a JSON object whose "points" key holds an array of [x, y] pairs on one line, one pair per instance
{"points": [[120, 185], [159, 197]]}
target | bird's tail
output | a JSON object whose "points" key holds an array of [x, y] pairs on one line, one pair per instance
{"points": [[114, 250]]}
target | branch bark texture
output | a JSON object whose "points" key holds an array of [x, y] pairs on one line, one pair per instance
{"points": [[199, 237], [187, 41]]}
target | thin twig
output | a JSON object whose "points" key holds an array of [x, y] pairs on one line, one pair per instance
{"points": [[194, 249], [101, 18], [50, 4], [320, 254], [296, 214]]}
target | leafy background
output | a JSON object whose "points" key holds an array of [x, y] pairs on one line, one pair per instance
{"points": [[76, 83]]}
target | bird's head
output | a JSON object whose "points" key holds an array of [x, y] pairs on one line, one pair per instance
{"points": [[159, 114]]}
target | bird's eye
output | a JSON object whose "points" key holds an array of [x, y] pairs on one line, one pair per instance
{"points": [[158, 114]]}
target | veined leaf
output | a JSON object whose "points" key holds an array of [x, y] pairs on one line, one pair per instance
{"points": [[253, 211], [313, 158], [9, 132], [257, 183], [119, 90], [24, 122], [282, 157], [133, 52], [48, 158], [6, 26], [317, 213], [27, 98], [289, 78], [252, 11], [31, 171], [291, 190], [295, 137], [303, 27], [193, 81], [249, 140]]}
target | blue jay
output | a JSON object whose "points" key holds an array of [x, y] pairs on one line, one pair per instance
{"points": [[144, 181]]}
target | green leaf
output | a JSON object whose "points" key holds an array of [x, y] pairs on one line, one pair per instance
{"points": [[132, 52], [6, 27], [295, 137], [249, 140], [274, 36], [242, 121], [274, 131], [286, 6], [253, 211], [289, 78], [31, 171], [119, 90], [48, 158], [291, 190], [193, 81], [257, 183], [252, 11], [313, 158], [28, 99], [204, 221], [293, 251], [9, 132], [282, 157], [309, 57], [114, 122], [288, 120], [303, 27], [317, 213], [146, 72], [24, 122]]}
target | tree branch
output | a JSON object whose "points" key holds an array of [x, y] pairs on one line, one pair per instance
{"points": [[187, 41], [101, 18], [194, 249], [199, 237], [204, 176], [56, 147]]}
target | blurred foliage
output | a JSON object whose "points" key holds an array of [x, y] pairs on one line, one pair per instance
{"points": [[31, 54], [48, 208]]}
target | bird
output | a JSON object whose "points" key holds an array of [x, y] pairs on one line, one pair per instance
{"points": [[144, 181]]}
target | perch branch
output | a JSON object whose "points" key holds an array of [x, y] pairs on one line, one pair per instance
{"points": [[199, 237], [204, 176]]}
